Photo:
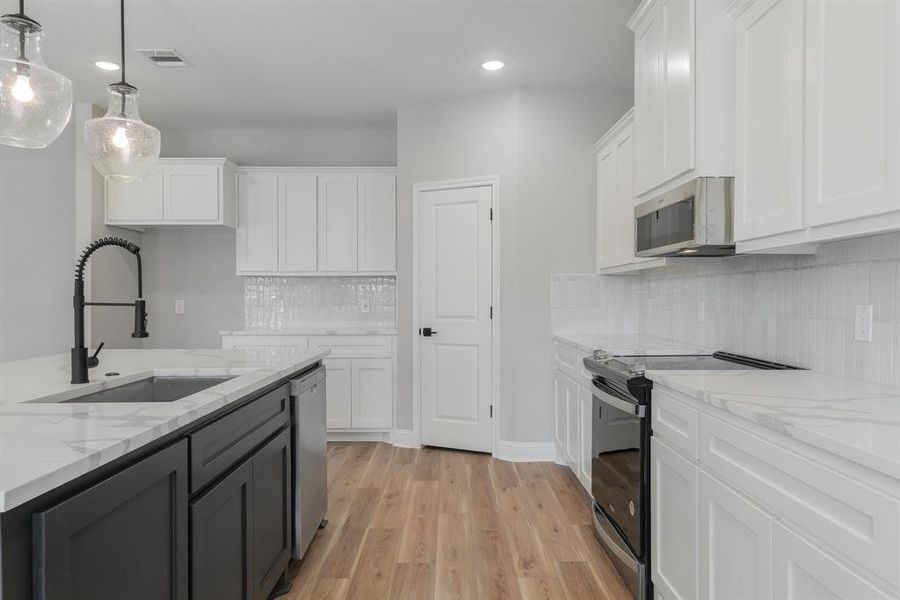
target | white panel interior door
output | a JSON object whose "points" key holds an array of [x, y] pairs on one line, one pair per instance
{"points": [[337, 223], [297, 207], [191, 192], [257, 239], [377, 222], [454, 292], [338, 392], [852, 119], [136, 200]]}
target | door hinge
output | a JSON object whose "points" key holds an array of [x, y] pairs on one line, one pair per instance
{"points": [[492, 214], [492, 313], [492, 411]]}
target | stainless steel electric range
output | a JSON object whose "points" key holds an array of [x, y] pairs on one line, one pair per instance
{"points": [[620, 464]]}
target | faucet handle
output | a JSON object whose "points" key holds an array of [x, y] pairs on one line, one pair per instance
{"points": [[93, 360]]}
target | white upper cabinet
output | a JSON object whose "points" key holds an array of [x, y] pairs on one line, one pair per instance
{"points": [[818, 128], [852, 109], [684, 53], [769, 105], [338, 222], [297, 230], [377, 245], [179, 191], [257, 246], [615, 200], [303, 222]]}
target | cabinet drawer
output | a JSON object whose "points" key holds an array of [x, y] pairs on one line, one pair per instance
{"points": [[567, 359], [675, 422], [222, 443], [853, 519], [355, 346]]}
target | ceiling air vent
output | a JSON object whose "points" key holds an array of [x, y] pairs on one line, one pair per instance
{"points": [[163, 57]]}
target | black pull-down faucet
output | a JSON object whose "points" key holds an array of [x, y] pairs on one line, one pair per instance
{"points": [[79, 352]]}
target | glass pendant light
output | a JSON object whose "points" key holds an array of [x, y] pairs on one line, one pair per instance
{"points": [[121, 146], [35, 101]]}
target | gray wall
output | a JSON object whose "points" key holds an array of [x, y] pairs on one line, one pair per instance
{"points": [[197, 264], [538, 141], [37, 248]]}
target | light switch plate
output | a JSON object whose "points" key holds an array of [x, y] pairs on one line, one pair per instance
{"points": [[364, 307], [179, 307], [863, 323]]}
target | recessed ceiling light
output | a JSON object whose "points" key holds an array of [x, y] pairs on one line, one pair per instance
{"points": [[492, 65], [106, 65]]}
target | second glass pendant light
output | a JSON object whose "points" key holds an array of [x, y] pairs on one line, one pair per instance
{"points": [[121, 146]]}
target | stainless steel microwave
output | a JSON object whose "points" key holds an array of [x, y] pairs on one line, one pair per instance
{"points": [[695, 219]]}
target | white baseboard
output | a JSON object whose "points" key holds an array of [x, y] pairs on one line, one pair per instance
{"points": [[404, 438], [359, 436], [526, 451]]}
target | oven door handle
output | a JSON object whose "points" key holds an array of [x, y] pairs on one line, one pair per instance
{"points": [[632, 408]]}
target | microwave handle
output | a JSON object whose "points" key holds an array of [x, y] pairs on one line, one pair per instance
{"points": [[638, 410]]}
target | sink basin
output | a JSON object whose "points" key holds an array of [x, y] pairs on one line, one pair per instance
{"points": [[153, 389]]}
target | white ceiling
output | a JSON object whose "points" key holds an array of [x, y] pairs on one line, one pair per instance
{"points": [[298, 63]]}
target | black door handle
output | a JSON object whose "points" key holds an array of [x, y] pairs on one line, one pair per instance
{"points": [[427, 332]]}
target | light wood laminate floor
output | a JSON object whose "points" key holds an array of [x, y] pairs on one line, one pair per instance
{"points": [[434, 523]]}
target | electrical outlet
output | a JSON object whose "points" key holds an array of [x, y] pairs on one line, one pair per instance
{"points": [[179, 307], [863, 324], [364, 307], [701, 311]]}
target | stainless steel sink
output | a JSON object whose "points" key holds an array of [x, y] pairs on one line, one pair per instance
{"points": [[153, 389]]}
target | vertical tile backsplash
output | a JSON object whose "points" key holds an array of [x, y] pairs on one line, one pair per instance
{"points": [[794, 309], [286, 303]]}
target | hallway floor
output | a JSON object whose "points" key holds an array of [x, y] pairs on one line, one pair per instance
{"points": [[434, 523]]}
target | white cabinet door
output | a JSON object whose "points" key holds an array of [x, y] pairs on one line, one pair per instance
{"points": [[769, 113], [803, 572], [191, 192], [338, 218], [572, 428], [852, 118], [615, 199], [257, 231], [607, 195], [560, 405], [377, 197], [649, 69], [673, 522], [338, 393], [735, 545], [585, 422], [677, 134], [297, 229], [372, 390], [136, 201]]}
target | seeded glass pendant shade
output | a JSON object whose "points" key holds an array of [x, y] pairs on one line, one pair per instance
{"points": [[121, 146], [35, 101]]}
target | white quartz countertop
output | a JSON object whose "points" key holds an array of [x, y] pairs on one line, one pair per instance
{"points": [[625, 345], [313, 331], [852, 419], [44, 443]]}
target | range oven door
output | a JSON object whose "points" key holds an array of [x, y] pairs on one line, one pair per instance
{"points": [[617, 463]]}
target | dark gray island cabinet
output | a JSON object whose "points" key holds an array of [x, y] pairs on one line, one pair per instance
{"points": [[201, 514]]}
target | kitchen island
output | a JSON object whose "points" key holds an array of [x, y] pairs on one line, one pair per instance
{"points": [[116, 481]]}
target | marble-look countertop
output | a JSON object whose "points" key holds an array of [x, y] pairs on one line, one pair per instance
{"points": [[44, 444], [855, 420], [313, 331], [629, 345]]}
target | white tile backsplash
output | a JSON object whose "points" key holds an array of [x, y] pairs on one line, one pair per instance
{"points": [[794, 309]]}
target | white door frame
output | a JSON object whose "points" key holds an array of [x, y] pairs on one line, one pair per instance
{"points": [[417, 189]]}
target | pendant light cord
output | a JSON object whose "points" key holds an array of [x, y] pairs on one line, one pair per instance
{"points": [[122, 30], [22, 56]]}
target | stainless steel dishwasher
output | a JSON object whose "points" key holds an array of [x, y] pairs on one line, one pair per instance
{"points": [[309, 457]]}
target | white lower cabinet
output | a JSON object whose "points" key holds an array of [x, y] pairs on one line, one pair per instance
{"points": [[735, 545], [338, 393], [372, 389], [803, 572], [585, 404], [758, 519], [673, 517], [572, 405]]}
